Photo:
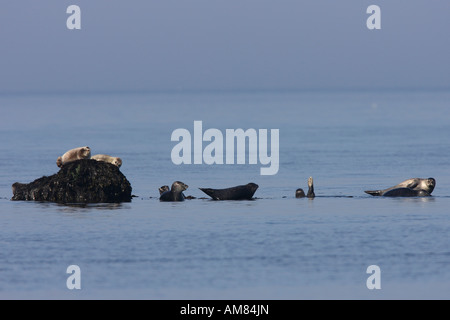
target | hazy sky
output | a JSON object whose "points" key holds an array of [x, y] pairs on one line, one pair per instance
{"points": [[153, 45]]}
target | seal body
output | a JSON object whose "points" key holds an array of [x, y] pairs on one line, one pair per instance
{"points": [[406, 192], [244, 192], [415, 184], [175, 193], [74, 154], [299, 193], [105, 158]]}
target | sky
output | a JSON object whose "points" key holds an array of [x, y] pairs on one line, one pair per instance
{"points": [[165, 45]]}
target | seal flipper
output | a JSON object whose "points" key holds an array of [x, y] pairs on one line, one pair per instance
{"points": [[375, 193], [311, 194], [210, 192]]}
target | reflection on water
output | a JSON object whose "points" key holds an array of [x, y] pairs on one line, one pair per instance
{"points": [[413, 199], [82, 207]]}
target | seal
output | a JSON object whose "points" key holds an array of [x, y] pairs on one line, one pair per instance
{"points": [[244, 192], [163, 189], [175, 193], [406, 192], [105, 158], [414, 184], [299, 193], [74, 154]]}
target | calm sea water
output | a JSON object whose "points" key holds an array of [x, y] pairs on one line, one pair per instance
{"points": [[275, 247]]}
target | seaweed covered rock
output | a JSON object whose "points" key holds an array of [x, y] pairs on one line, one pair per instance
{"points": [[81, 181]]}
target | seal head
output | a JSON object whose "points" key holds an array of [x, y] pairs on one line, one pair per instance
{"points": [[163, 189], [299, 193]]}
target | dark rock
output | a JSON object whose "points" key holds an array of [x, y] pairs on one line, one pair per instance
{"points": [[81, 181]]}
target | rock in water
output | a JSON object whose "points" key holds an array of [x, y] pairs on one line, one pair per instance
{"points": [[80, 181]]}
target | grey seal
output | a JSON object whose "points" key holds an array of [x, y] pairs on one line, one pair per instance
{"points": [[415, 187], [406, 192], [175, 193], [244, 192], [163, 189], [299, 193], [74, 154], [106, 158]]}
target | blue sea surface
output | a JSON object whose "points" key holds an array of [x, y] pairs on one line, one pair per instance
{"points": [[273, 247]]}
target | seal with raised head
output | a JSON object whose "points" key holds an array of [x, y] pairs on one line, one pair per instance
{"points": [[244, 192], [106, 158], [415, 187], [163, 189], [299, 193], [74, 154], [175, 193]]}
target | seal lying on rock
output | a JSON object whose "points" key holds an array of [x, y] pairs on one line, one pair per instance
{"points": [[415, 187], [299, 193], [105, 158], [175, 193], [80, 181], [74, 154], [244, 192]]}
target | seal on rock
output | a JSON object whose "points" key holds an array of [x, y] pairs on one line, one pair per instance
{"points": [[105, 158], [414, 185], [175, 193], [80, 181], [244, 192], [299, 193], [74, 154]]}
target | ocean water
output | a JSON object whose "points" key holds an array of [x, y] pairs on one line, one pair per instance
{"points": [[274, 247]]}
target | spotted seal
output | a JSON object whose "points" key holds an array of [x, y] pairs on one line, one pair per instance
{"points": [[415, 187], [175, 193], [163, 189], [244, 192], [74, 154], [106, 158]]}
